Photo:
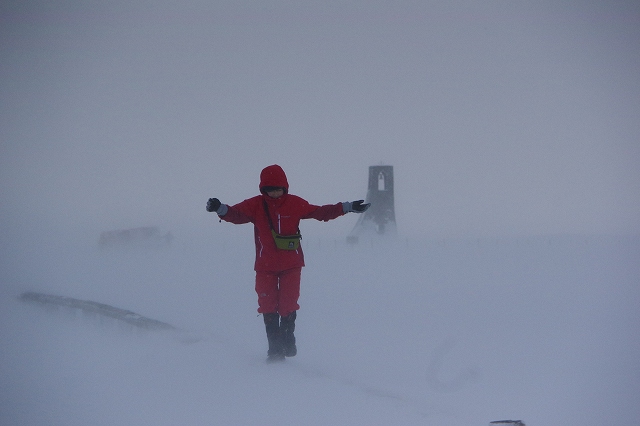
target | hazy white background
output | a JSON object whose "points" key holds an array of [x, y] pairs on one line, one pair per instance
{"points": [[506, 122], [500, 117]]}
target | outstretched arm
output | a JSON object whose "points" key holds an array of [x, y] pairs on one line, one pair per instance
{"points": [[332, 211], [324, 213], [214, 205], [233, 214], [355, 206]]}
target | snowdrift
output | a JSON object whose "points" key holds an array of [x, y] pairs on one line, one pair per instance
{"points": [[405, 332]]}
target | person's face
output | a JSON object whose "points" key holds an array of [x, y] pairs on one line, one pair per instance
{"points": [[276, 193]]}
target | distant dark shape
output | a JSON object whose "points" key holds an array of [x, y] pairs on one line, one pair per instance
{"points": [[91, 307], [146, 236], [380, 219], [509, 422]]}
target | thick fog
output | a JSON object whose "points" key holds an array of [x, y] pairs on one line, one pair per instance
{"points": [[499, 117], [511, 290]]}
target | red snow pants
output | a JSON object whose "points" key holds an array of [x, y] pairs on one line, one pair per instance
{"points": [[278, 292]]}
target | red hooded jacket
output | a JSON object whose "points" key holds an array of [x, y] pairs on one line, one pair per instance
{"points": [[286, 213]]}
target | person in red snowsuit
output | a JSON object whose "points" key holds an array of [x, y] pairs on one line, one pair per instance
{"points": [[276, 216]]}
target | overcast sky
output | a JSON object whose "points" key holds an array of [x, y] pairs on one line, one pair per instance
{"points": [[499, 117]]}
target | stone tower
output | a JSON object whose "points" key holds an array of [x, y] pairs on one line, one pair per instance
{"points": [[380, 218]]}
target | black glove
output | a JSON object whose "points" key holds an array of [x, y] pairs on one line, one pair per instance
{"points": [[358, 207], [213, 205]]}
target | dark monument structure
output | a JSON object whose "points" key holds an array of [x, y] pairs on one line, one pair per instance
{"points": [[380, 218]]}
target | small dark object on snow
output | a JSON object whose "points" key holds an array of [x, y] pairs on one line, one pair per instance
{"points": [[508, 422]]}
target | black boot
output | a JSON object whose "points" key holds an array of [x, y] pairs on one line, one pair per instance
{"points": [[287, 327], [275, 352]]}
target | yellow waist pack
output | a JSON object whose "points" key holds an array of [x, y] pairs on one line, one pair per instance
{"points": [[287, 242], [283, 242]]}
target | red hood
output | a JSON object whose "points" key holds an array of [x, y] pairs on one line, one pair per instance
{"points": [[274, 176]]}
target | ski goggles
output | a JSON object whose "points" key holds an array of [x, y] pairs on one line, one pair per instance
{"points": [[266, 189]]}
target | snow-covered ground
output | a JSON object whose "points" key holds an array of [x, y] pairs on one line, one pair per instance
{"points": [[412, 332]]}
